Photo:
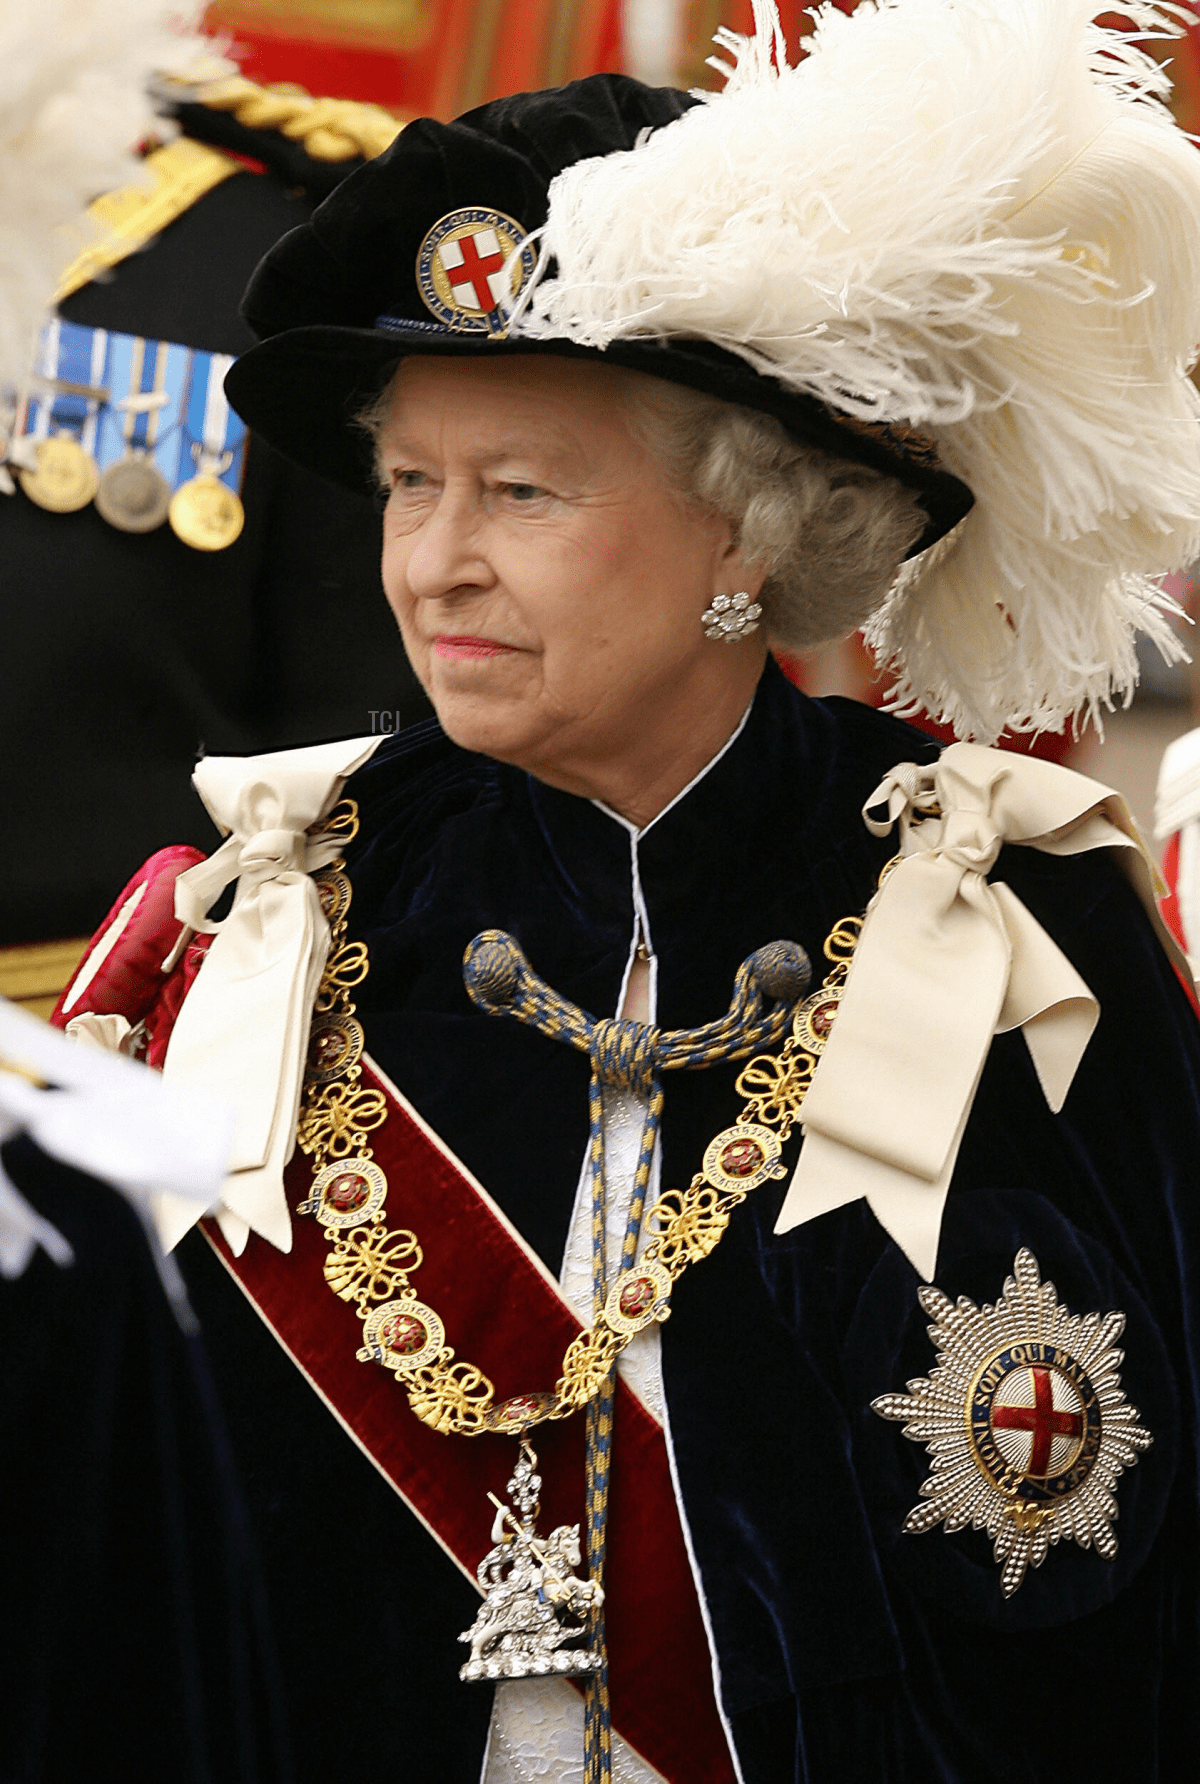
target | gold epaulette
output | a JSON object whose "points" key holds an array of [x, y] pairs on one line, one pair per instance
{"points": [[182, 171], [178, 174]]}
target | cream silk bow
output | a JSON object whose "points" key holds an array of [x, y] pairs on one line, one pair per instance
{"points": [[945, 961], [243, 1028]]}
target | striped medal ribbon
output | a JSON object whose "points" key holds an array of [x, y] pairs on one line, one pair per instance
{"points": [[133, 493], [54, 442], [141, 426], [206, 511]]}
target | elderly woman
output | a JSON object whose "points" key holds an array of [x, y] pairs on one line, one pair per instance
{"points": [[576, 963]]}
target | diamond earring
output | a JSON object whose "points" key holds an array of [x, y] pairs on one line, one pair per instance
{"points": [[731, 617]]}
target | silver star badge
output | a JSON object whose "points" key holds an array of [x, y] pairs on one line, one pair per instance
{"points": [[1025, 1420]]}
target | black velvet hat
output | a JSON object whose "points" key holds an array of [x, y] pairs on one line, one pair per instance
{"points": [[406, 256]]}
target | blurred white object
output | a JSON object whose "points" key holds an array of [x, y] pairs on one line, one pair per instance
{"points": [[73, 106], [1177, 811], [106, 1115], [21, 1229], [653, 35]]}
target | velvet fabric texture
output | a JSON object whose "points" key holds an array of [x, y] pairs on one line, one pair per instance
{"points": [[846, 1649], [133, 1619], [337, 302]]}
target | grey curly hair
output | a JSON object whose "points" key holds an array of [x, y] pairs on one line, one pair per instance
{"points": [[830, 534]]}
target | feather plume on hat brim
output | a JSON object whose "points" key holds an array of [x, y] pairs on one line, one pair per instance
{"points": [[974, 218], [338, 301]]}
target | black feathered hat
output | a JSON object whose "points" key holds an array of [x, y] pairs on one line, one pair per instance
{"points": [[957, 236], [404, 256]]}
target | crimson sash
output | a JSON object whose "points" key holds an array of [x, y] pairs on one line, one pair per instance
{"points": [[504, 1312]]}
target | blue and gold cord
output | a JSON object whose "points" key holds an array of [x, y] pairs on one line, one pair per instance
{"points": [[597, 1718], [627, 1056]]}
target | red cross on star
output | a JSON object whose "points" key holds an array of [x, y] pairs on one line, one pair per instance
{"points": [[1042, 1418]]}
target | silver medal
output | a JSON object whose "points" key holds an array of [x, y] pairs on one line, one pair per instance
{"points": [[132, 496]]}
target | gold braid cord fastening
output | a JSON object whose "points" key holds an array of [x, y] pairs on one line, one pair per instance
{"points": [[330, 129], [370, 1264]]}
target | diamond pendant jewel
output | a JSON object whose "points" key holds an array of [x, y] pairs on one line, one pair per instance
{"points": [[534, 1603]]}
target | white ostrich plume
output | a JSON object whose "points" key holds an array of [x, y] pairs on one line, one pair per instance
{"points": [[73, 104], [972, 217]]}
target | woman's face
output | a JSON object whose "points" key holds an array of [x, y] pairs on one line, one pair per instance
{"points": [[547, 581]]}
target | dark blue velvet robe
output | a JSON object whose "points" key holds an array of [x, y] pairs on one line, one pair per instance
{"points": [[134, 1629], [846, 1649]]}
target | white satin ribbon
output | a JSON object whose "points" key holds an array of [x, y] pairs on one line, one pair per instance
{"points": [[109, 1034], [243, 1029], [945, 961]]}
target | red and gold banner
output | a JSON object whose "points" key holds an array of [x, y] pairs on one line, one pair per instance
{"points": [[441, 57], [432, 58]]}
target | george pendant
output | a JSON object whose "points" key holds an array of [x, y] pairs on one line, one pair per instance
{"points": [[535, 1603]]}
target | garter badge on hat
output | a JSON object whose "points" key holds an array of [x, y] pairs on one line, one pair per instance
{"points": [[460, 269], [1025, 1419]]}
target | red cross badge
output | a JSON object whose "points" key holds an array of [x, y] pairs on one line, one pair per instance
{"points": [[1025, 1419], [460, 269]]}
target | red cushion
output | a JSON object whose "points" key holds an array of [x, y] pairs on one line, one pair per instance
{"points": [[130, 980]]}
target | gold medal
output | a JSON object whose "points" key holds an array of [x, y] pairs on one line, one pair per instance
{"points": [[132, 496], [65, 478], [205, 514]]}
